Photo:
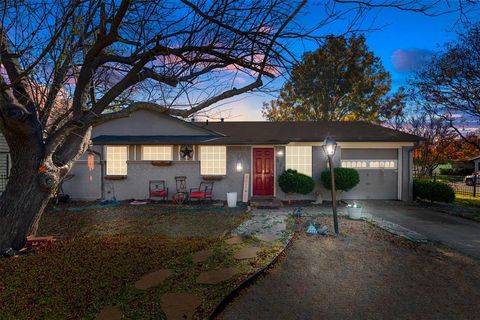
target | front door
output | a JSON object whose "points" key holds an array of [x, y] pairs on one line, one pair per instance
{"points": [[263, 171]]}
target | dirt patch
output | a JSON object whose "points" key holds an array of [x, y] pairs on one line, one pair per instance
{"points": [[365, 273]]}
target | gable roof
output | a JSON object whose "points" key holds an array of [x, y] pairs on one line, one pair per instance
{"points": [[264, 132]]}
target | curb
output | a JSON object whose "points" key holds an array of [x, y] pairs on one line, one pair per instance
{"points": [[246, 283]]}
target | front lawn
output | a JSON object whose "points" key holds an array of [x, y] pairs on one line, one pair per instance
{"points": [[101, 253]]}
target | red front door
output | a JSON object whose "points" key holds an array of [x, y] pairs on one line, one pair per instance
{"points": [[263, 171]]}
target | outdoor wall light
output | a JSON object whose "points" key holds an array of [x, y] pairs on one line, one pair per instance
{"points": [[329, 147], [239, 166], [280, 153]]}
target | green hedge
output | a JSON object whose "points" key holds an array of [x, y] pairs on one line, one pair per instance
{"points": [[433, 191], [292, 181], [345, 178], [455, 172]]}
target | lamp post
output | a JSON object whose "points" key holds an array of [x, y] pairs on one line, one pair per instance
{"points": [[329, 147]]}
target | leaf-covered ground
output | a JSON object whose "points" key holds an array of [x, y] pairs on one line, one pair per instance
{"points": [[103, 252]]}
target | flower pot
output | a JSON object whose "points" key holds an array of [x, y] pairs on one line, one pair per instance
{"points": [[354, 211]]}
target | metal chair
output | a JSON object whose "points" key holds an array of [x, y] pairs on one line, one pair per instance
{"points": [[203, 192], [158, 190]]}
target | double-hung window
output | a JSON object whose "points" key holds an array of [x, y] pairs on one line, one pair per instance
{"points": [[213, 160], [117, 157], [299, 158], [157, 152]]}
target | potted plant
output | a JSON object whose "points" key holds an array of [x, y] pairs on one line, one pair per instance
{"points": [[345, 179], [291, 181]]}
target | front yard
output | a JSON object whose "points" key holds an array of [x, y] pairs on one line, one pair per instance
{"points": [[365, 273], [101, 253]]}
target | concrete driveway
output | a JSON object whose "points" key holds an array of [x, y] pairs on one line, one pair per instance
{"points": [[458, 233]]}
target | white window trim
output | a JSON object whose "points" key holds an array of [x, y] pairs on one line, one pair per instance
{"points": [[157, 145], [287, 166], [201, 162], [368, 164], [106, 160]]}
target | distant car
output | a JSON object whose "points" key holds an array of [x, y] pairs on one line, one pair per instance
{"points": [[469, 180]]}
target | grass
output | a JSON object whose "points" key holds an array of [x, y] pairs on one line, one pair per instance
{"points": [[103, 252], [467, 201]]}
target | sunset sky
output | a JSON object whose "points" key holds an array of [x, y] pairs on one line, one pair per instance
{"points": [[404, 41]]}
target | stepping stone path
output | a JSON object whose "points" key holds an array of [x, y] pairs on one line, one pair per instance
{"points": [[216, 276], [153, 279], [234, 240], [201, 256], [110, 313], [179, 306], [247, 253]]}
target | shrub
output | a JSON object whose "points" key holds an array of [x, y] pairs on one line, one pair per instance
{"points": [[433, 191], [456, 171], [345, 179], [292, 181]]}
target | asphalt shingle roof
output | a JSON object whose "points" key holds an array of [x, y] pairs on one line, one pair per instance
{"points": [[262, 132]]}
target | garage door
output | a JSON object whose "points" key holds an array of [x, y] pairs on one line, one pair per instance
{"points": [[378, 171]]}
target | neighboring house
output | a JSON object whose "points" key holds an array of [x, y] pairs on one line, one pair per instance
{"points": [[476, 163], [4, 163], [149, 145]]}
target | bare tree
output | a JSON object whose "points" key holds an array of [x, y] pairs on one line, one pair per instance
{"points": [[449, 86], [67, 65]]}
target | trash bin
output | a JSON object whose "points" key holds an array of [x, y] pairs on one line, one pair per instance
{"points": [[232, 199]]}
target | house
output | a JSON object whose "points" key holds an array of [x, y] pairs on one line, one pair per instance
{"points": [[149, 145], [476, 163]]}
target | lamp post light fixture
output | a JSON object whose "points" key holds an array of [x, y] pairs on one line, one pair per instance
{"points": [[329, 147]]}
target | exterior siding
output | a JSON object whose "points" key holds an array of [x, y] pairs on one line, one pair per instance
{"points": [[4, 162]]}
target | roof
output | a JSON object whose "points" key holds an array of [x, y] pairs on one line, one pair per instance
{"points": [[263, 132], [106, 139]]}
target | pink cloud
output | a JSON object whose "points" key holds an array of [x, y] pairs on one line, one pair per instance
{"points": [[407, 60]]}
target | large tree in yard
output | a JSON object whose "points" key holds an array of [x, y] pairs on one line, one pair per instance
{"points": [[340, 81], [68, 65]]}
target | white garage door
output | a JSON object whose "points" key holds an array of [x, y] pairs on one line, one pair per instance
{"points": [[378, 171]]}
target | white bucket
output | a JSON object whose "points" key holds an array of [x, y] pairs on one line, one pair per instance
{"points": [[354, 212], [232, 199]]}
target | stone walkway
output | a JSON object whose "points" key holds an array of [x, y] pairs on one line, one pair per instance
{"points": [[266, 225]]}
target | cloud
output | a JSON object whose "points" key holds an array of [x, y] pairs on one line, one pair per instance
{"points": [[407, 60]]}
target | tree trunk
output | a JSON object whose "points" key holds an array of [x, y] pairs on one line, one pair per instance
{"points": [[21, 206], [26, 194]]}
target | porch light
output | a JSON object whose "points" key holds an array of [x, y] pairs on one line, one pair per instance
{"points": [[239, 166], [280, 152], [329, 147]]}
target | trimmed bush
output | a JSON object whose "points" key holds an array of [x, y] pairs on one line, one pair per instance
{"points": [[345, 178], [291, 181], [456, 172], [433, 191]]}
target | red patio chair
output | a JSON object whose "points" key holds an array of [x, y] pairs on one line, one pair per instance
{"points": [[157, 190], [203, 192]]}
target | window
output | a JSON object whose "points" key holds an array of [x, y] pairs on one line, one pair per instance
{"points": [[213, 160], [370, 164], [117, 157], [157, 153], [299, 158]]}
